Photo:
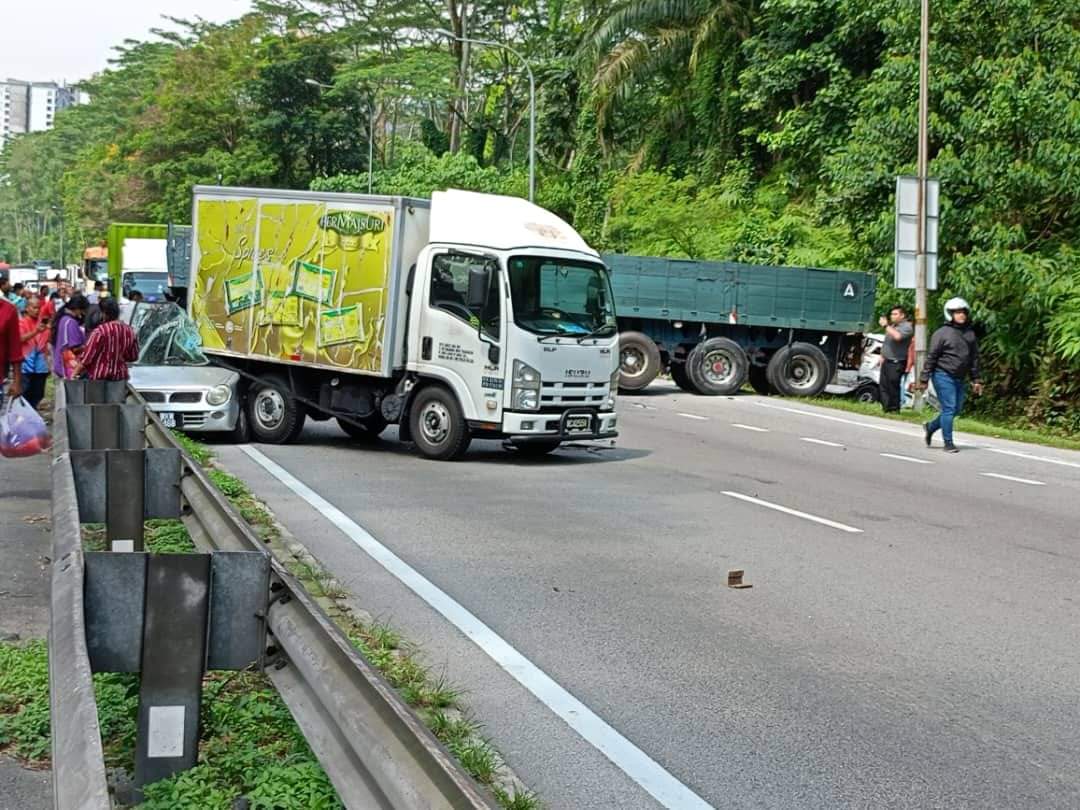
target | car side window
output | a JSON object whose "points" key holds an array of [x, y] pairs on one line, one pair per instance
{"points": [[450, 290]]}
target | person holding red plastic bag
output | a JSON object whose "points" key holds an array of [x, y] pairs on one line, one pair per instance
{"points": [[10, 351]]}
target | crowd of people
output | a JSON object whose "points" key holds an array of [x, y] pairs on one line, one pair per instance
{"points": [[61, 332]]}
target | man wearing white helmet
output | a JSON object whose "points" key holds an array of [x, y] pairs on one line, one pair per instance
{"points": [[953, 357]]}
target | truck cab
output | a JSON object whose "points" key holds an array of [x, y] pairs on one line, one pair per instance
{"points": [[513, 312]]}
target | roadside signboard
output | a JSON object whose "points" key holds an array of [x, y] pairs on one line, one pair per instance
{"points": [[907, 231]]}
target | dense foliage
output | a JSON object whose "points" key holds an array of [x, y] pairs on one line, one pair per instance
{"points": [[756, 130]]}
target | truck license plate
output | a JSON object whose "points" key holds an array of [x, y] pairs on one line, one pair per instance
{"points": [[579, 424], [169, 420]]}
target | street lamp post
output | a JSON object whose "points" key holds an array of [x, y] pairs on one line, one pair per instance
{"points": [[921, 171], [371, 130], [532, 98]]}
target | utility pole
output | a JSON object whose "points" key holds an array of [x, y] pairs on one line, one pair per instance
{"points": [[920, 256]]}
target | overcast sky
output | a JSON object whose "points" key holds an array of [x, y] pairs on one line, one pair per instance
{"points": [[68, 40]]}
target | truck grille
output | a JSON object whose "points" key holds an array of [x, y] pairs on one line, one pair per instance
{"points": [[573, 393]]}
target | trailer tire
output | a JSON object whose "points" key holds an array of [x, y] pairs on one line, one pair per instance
{"points": [[438, 425], [717, 367], [799, 370], [758, 378], [639, 361], [681, 378], [369, 428], [273, 415]]}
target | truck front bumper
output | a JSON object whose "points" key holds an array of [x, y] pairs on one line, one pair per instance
{"points": [[523, 427]]}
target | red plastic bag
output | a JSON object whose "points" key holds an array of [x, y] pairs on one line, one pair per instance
{"points": [[22, 430]]}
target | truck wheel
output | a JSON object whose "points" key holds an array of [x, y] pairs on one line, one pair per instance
{"points": [[717, 367], [369, 428], [537, 449], [759, 381], [274, 416], [799, 370], [639, 361], [681, 378], [438, 425]]}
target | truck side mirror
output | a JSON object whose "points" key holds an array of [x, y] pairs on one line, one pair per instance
{"points": [[479, 279]]}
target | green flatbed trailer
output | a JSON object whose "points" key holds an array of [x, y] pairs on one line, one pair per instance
{"points": [[717, 325]]}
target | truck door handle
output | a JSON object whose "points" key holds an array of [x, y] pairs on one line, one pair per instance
{"points": [[425, 349]]}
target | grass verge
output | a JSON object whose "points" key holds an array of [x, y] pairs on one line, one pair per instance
{"points": [[966, 424]]}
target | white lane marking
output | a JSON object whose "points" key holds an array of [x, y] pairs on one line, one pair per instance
{"points": [[804, 515], [741, 426], [626, 756], [692, 416], [1014, 478], [819, 441], [905, 458], [1017, 453], [885, 428]]}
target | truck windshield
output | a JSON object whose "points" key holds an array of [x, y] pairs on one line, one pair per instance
{"points": [[167, 336], [98, 269], [153, 285], [561, 296]]}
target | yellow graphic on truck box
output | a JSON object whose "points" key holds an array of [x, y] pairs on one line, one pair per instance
{"points": [[293, 281]]}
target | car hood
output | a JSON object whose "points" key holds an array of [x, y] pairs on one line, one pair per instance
{"points": [[180, 376]]}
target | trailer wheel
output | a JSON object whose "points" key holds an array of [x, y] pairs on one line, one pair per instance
{"points": [[274, 416], [799, 370], [759, 381], [639, 361], [369, 428], [438, 426], [717, 367], [681, 378]]}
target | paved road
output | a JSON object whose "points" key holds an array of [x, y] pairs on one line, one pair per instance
{"points": [[909, 641]]}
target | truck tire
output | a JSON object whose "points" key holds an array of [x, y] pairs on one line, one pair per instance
{"points": [[717, 367], [639, 361], [369, 428], [273, 415], [438, 426], [799, 370], [759, 381], [681, 378]]}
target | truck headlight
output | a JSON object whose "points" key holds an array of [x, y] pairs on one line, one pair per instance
{"points": [[525, 390], [613, 391], [218, 395]]}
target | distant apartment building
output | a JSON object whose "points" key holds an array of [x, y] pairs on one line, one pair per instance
{"points": [[31, 106]]}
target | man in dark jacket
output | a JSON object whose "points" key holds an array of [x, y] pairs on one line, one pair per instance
{"points": [[953, 357]]}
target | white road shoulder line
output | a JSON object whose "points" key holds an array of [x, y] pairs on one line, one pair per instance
{"points": [[804, 412], [905, 458], [1014, 478], [692, 416], [626, 756], [741, 426], [804, 515], [819, 441], [1032, 457]]}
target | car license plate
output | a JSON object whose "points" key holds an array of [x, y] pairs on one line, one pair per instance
{"points": [[579, 424], [169, 420]]}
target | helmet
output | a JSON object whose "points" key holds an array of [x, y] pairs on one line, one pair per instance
{"points": [[954, 304]]}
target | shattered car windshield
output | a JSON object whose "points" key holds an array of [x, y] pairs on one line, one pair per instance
{"points": [[167, 336]]}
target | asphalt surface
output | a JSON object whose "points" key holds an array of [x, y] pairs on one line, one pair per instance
{"points": [[24, 597], [910, 639]]}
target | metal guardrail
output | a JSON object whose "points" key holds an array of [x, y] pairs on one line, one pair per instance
{"points": [[375, 750], [78, 760]]}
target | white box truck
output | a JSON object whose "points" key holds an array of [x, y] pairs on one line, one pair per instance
{"points": [[470, 315]]}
